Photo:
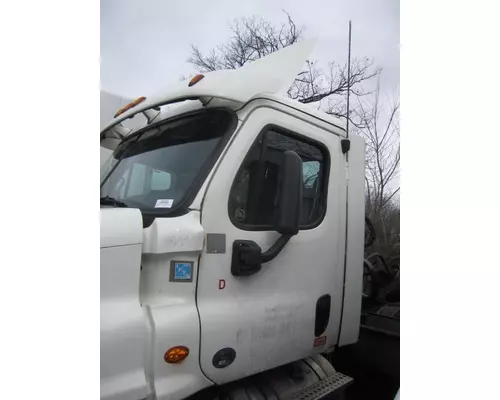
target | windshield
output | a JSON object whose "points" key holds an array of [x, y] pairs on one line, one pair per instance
{"points": [[162, 167]]}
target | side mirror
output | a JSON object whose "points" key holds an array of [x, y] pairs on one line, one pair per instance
{"points": [[247, 256], [290, 194]]}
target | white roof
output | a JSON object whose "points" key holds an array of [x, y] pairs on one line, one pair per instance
{"points": [[306, 108], [269, 77]]}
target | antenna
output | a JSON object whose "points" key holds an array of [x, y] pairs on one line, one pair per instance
{"points": [[348, 81]]}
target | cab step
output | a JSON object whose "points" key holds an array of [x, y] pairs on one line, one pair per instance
{"points": [[331, 387]]}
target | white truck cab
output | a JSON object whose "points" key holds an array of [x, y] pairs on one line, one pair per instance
{"points": [[110, 102], [232, 229]]}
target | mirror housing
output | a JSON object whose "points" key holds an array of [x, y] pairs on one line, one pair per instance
{"points": [[290, 194], [247, 256]]}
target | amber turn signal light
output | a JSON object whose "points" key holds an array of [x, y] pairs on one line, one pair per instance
{"points": [[129, 106], [176, 354], [195, 80]]}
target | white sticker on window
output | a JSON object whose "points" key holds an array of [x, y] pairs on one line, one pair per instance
{"points": [[164, 203]]}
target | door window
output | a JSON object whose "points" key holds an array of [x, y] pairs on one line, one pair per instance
{"points": [[254, 194]]}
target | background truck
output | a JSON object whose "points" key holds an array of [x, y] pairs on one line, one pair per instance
{"points": [[232, 239], [109, 104]]}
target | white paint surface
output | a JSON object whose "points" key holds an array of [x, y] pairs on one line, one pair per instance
{"points": [[273, 74], [268, 318], [123, 328], [171, 306]]}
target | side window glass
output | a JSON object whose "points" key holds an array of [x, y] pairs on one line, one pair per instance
{"points": [[310, 172], [253, 197]]}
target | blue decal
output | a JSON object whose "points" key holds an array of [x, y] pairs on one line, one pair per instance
{"points": [[182, 271]]}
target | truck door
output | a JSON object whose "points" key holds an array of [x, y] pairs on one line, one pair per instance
{"points": [[291, 307]]}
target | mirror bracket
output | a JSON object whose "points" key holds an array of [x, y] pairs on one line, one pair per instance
{"points": [[248, 258], [345, 145]]}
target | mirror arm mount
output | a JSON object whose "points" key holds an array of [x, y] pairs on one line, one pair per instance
{"points": [[275, 249], [247, 258]]}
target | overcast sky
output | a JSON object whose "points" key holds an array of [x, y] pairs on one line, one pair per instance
{"points": [[145, 43]]}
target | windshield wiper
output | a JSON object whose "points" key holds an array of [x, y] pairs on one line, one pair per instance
{"points": [[110, 201]]}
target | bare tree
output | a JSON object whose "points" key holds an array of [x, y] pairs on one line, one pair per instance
{"points": [[379, 126], [253, 38]]}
